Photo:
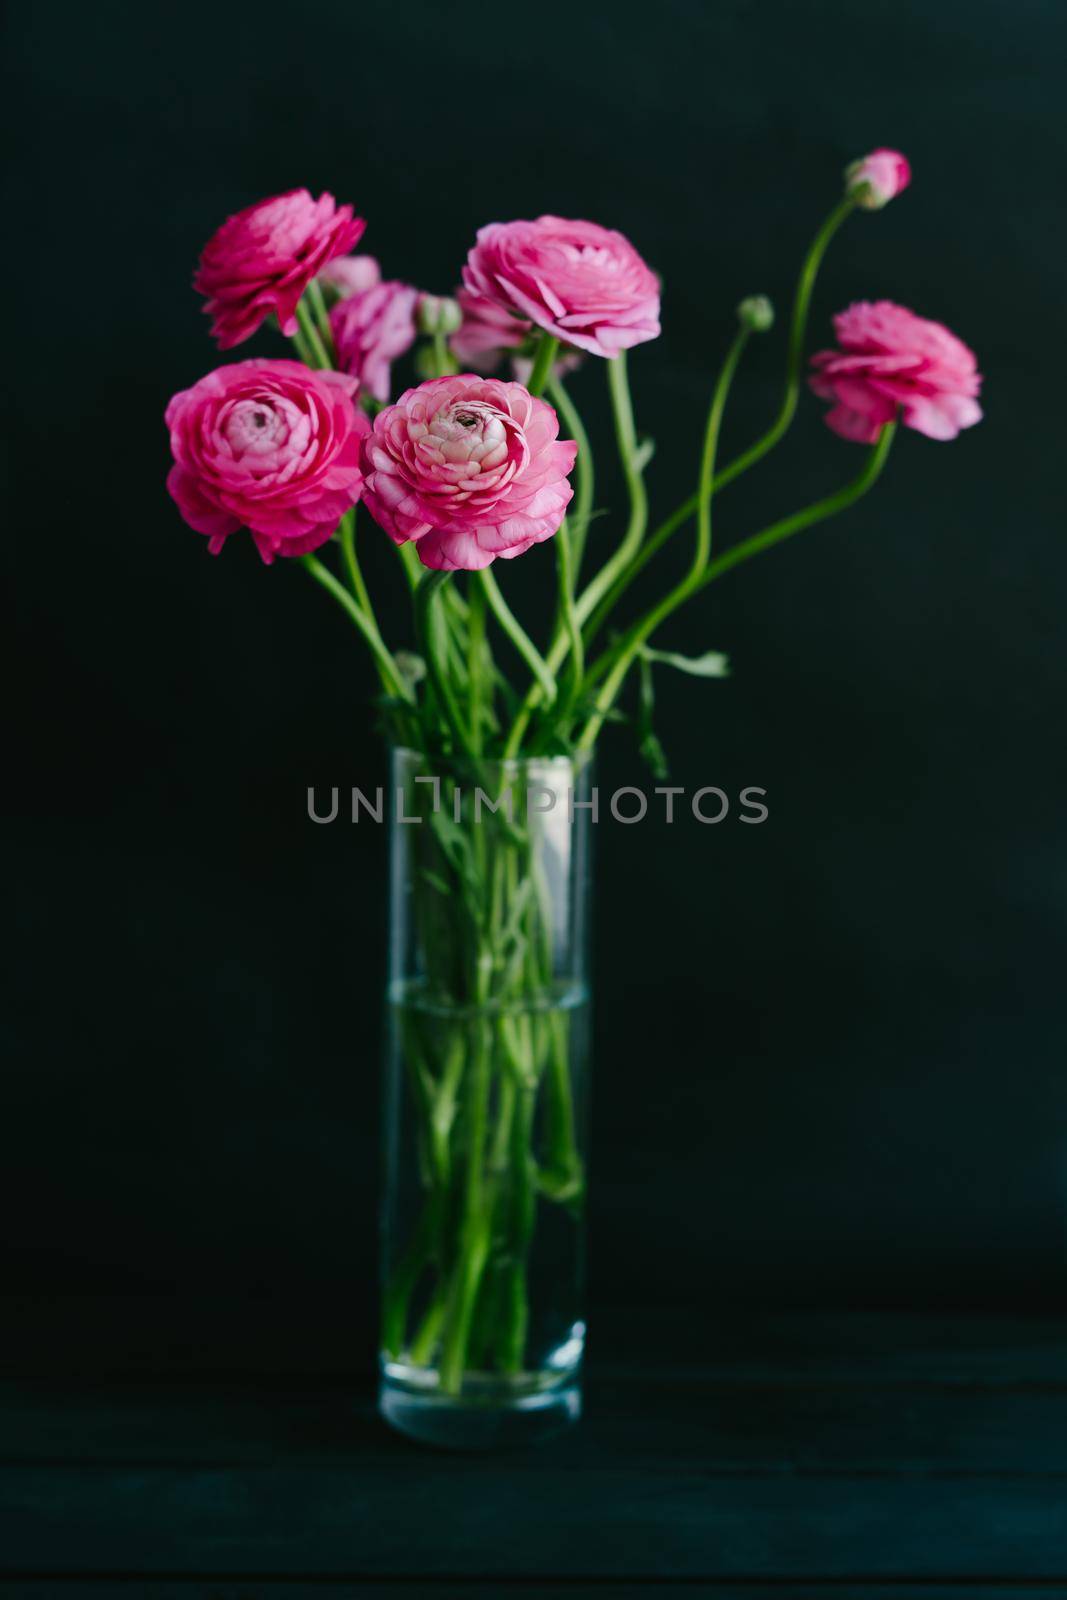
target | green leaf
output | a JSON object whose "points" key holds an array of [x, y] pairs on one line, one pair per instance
{"points": [[581, 525], [561, 1184], [711, 665], [412, 668], [435, 881], [646, 449], [648, 744], [654, 756]]}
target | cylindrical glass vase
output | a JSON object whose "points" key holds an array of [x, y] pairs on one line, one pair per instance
{"points": [[486, 1077]]}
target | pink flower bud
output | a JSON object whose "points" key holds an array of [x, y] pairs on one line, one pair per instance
{"points": [[877, 179], [351, 275], [371, 330]]}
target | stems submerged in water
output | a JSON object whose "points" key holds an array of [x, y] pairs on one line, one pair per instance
{"points": [[484, 1042]]}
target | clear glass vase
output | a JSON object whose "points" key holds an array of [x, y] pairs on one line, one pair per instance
{"points": [[485, 1105]]}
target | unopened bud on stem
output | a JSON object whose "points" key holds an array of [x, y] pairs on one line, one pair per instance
{"points": [[877, 179], [438, 314], [756, 313]]}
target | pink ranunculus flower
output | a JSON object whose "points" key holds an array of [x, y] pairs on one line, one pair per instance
{"points": [[351, 275], [469, 468], [371, 329], [488, 333], [488, 330], [583, 283], [263, 258], [878, 178], [890, 360], [270, 446]]}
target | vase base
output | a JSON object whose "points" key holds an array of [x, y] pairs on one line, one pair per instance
{"points": [[479, 1422]]}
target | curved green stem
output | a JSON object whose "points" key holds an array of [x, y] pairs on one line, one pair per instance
{"points": [[641, 630], [621, 655], [413, 567], [569, 614], [392, 681], [626, 436], [733, 469], [547, 346], [797, 328], [475, 649], [706, 482], [656, 541], [516, 632], [818, 512], [347, 536], [583, 471]]}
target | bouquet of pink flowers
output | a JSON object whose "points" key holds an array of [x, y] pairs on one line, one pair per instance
{"points": [[486, 458], [465, 467]]}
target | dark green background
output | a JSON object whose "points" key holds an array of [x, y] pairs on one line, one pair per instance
{"points": [[830, 1050]]}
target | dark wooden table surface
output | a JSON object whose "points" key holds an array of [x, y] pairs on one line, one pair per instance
{"points": [[859, 1457]]}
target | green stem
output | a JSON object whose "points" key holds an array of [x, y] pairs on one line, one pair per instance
{"points": [[429, 628], [347, 536], [570, 545], [422, 1345], [621, 655], [400, 1288], [818, 512], [443, 358], [475, 1227], [706, 482], [454, 635], [303, 349], [733, 469], [475, 650], [523, 1204], [322, 319], [478, 1226], [392, 681], [797, 326], [561, 1176], [569, 616], [641, 630], [547, 346], [511, 625], [498, 1160], [443, 1112], [626, 437], [413, 567], [583, 471], [310, 334]]}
